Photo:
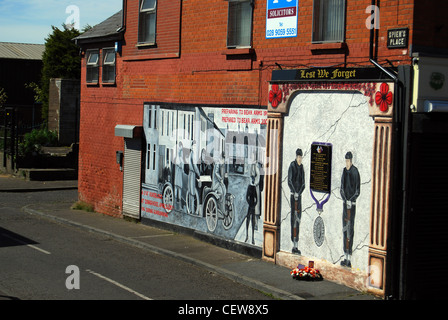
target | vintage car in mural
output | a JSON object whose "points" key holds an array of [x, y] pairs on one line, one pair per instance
{"points": [[206, 195], [218, 204], [187, 181]]}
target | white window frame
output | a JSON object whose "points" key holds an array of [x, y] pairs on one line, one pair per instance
{"points": [[232, 41], [92, 66], [143, 37], [320, 23], [107, 65]]}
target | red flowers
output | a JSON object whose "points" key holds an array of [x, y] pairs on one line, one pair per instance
{"points": [[383, 98], [306, 273], [275, 96]]}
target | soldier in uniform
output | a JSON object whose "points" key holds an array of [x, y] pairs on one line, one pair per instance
{"points": [[350, 189], [252, 200], [193, 175], [178, 172], [296, 183]]}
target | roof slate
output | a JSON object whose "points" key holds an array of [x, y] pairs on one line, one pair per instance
{"points": [[23, 51], [109, 28]]}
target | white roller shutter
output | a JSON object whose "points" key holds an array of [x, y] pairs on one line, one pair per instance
{"points": [[132, 180]]}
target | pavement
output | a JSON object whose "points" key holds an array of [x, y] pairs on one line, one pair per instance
{"points": [[191, 247]]}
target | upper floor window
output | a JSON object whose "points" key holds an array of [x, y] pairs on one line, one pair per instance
{"points": [[147, 22], [93, 57], [328, 20], [108, 65], [239, 24]]}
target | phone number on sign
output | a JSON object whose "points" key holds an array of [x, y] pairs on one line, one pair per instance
{"points": [[281, 32]]}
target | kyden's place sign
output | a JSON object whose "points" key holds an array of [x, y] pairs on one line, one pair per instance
{"points": [[281, 18]]}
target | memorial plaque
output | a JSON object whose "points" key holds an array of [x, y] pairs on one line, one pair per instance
{"points": [[320, 177]]}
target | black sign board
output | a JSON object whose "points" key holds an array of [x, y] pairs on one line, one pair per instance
{"points": [[320, 177], [397, 38], [328, 74]]}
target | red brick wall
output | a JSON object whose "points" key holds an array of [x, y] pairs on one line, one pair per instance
{"points": [[300, 50], [102, 107], [191, 64], [168, 30]]}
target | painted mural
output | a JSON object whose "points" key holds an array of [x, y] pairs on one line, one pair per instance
{"points": [[203, 169], [326, 176]]}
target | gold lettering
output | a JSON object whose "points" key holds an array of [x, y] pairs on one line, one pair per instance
{"points": [[307, 74], [343, 74]]}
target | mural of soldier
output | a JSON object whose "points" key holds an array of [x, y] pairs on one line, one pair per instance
{"points": [[193, 175], [206, 164], [254, 173], [296, 183], [350, 189], [218, 181], [252, 200], [178, 171]]}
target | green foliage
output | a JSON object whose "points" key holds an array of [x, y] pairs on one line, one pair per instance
{"points": [[33, 141], [80, 205], [60, 59], [38, 94]]}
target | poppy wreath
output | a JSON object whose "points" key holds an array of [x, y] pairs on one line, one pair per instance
{"points": [[383, 98], [306, 273]]}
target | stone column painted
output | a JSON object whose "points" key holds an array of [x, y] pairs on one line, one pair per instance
{"points": [[382, 111], [271, 225]]}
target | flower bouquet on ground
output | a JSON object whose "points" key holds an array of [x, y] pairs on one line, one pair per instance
{"points": [[306, 273]]}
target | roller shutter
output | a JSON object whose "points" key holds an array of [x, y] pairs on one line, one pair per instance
{"points": [[132, 178]]}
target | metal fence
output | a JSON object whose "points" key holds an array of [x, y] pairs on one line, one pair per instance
{"points": [[15, 122]]}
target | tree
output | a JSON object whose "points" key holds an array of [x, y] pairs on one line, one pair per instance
{"points": [[60, 59]]}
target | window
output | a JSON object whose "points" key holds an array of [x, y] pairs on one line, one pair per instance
{"points": [[108, 65], [239, 24], [148, 160], [151, 155], [156, 120], [162, 120], [154, 158], [328, 20], [147, 22], [152, 115], [93, 57]]}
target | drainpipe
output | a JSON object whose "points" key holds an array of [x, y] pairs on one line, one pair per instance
{"points": [[405, 140], [390, 74], [372, 34], [372, 60]]}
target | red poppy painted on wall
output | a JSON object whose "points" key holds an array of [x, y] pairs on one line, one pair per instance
{"points": [[275, 96], [384, 97]]}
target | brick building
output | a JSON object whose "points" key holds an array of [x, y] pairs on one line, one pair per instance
{"points": [[192, 115]]}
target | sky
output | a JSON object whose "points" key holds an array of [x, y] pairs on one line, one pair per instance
{"points": [[30, 21]]}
